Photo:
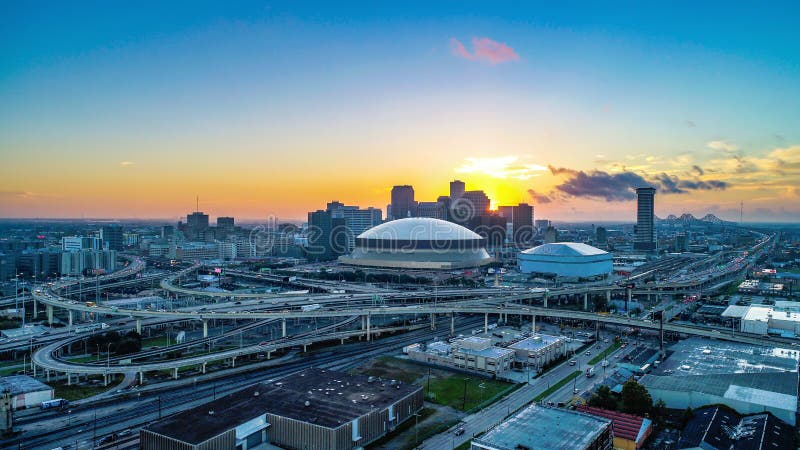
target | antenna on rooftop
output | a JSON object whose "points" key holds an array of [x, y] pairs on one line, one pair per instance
{"points": [[741, 212], [197, 198]]}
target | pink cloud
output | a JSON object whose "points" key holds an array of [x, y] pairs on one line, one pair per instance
{"points": [[485, 50]]}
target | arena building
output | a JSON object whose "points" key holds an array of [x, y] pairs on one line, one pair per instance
{"points": [[418, 243], [566, 259]]}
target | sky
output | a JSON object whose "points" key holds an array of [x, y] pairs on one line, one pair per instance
{"points": [[122, 110]]}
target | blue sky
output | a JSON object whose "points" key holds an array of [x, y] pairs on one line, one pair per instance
{"points": [[639, 87]]}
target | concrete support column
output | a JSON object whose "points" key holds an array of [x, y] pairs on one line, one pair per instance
{"points": [[233, 361], [50, 315], [363, 322], [175, 373], [608, 296], [33, 366], [69, 315], [545, 299], [205, 328], [35, 308], [486, 323], [368, 327], [47, 374], [269, 356], [69, 379], [533, 323], [203, 366], [433, 321], [139, 326], [452, 323], [586, 301], [141, 377], [305, 348], [283, 327], [105, 379]]}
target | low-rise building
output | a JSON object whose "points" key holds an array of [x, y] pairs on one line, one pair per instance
{"points": [[539, 350], [630, 431], [25, 391], [471, 353], [716, 428], [541, 428], [315, 409]]}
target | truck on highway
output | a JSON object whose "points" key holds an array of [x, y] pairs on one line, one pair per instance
{"points": [[590, 372], [312, 307], [91, 327], [55, 403]]}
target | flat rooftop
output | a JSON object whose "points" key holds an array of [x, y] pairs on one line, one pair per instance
{"points": [[543, 428], [22, 384], [700, 356], [536, 342], [334, 398]]}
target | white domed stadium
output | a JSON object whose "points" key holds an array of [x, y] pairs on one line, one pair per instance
{"points": [[566, 259], [418, 243]]}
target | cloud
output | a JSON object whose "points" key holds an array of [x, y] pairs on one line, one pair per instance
{"points": [[484, 50], [539, 198], [126, 163], [689, 123], [501, 167], [724, 146], [699, 170], [617, 187]]}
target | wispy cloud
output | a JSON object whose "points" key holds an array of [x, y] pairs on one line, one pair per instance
{"points": [[484, 50], [724, 146], [501, 167], [126, 163]]}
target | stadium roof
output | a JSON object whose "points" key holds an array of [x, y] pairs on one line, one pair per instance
{"points": [[565, 249], [419, 228]]}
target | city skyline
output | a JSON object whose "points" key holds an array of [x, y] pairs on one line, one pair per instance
{"points": [[277, 110]]}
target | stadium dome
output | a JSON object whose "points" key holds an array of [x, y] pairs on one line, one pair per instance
{"points": [[566, 259], [418, 243]]}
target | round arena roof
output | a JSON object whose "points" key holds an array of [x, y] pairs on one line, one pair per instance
{"points": [[565, 249], [420, 229]]}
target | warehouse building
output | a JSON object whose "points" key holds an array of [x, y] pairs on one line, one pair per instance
{"points": [[25, 391], [566, 260], [471, 353], [539, 350], [315, 409], [716, 428], [781, 319], [747, 378], [540, 428]]}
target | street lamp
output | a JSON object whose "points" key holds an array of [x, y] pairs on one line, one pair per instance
{"points": [[108, 354]]}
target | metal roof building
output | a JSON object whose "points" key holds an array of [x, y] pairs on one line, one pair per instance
{"points": [[317, 409], [747, 378], [720, 429], [26, 392], [630, 431], [541, 428], [566, 259]]}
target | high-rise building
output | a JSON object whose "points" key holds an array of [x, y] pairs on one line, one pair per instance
{"points": [[327, 236], [435, 210], [225, 227], [403, 204], [196, 224], [550, 235], [644, 232], [601, 235], [77, 243], [520, 219], [457, 188], [470, 205], [167, 232], [681, 242], [541, 225], [356, 220], [112, 237]]}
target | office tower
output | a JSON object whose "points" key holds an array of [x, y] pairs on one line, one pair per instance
{"points": [[112, 237], [550, 235], [435, 210], [327, 236], [167, 232], [77, 243], [681, 242], [471, 204], [403, 204], [196, 225], [520, 219], [456, 189], [225, 227], [601, 235], [356, 220], [644, 232], [8, 266]]}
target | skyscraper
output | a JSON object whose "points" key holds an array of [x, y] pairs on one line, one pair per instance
{"points": [[225, 227], [356, 220], [197, 224], [644, 232], [436, 210], [520, 217], [456, 189], [327, 236], [112, 237], [403, 204]]}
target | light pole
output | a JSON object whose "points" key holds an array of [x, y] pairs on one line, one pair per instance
{"points": [[108, 355]]}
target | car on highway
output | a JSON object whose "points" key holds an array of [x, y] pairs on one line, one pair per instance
{"points": [[459, 431]]}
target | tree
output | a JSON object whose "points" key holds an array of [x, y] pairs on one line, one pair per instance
{"points": [[660, 411], [603, 399], [636, 399]]}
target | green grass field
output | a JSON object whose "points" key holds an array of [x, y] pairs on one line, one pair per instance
{"points": [[602, 355], [158, 341], [84, 358], [462, 392], [76, 392]]}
